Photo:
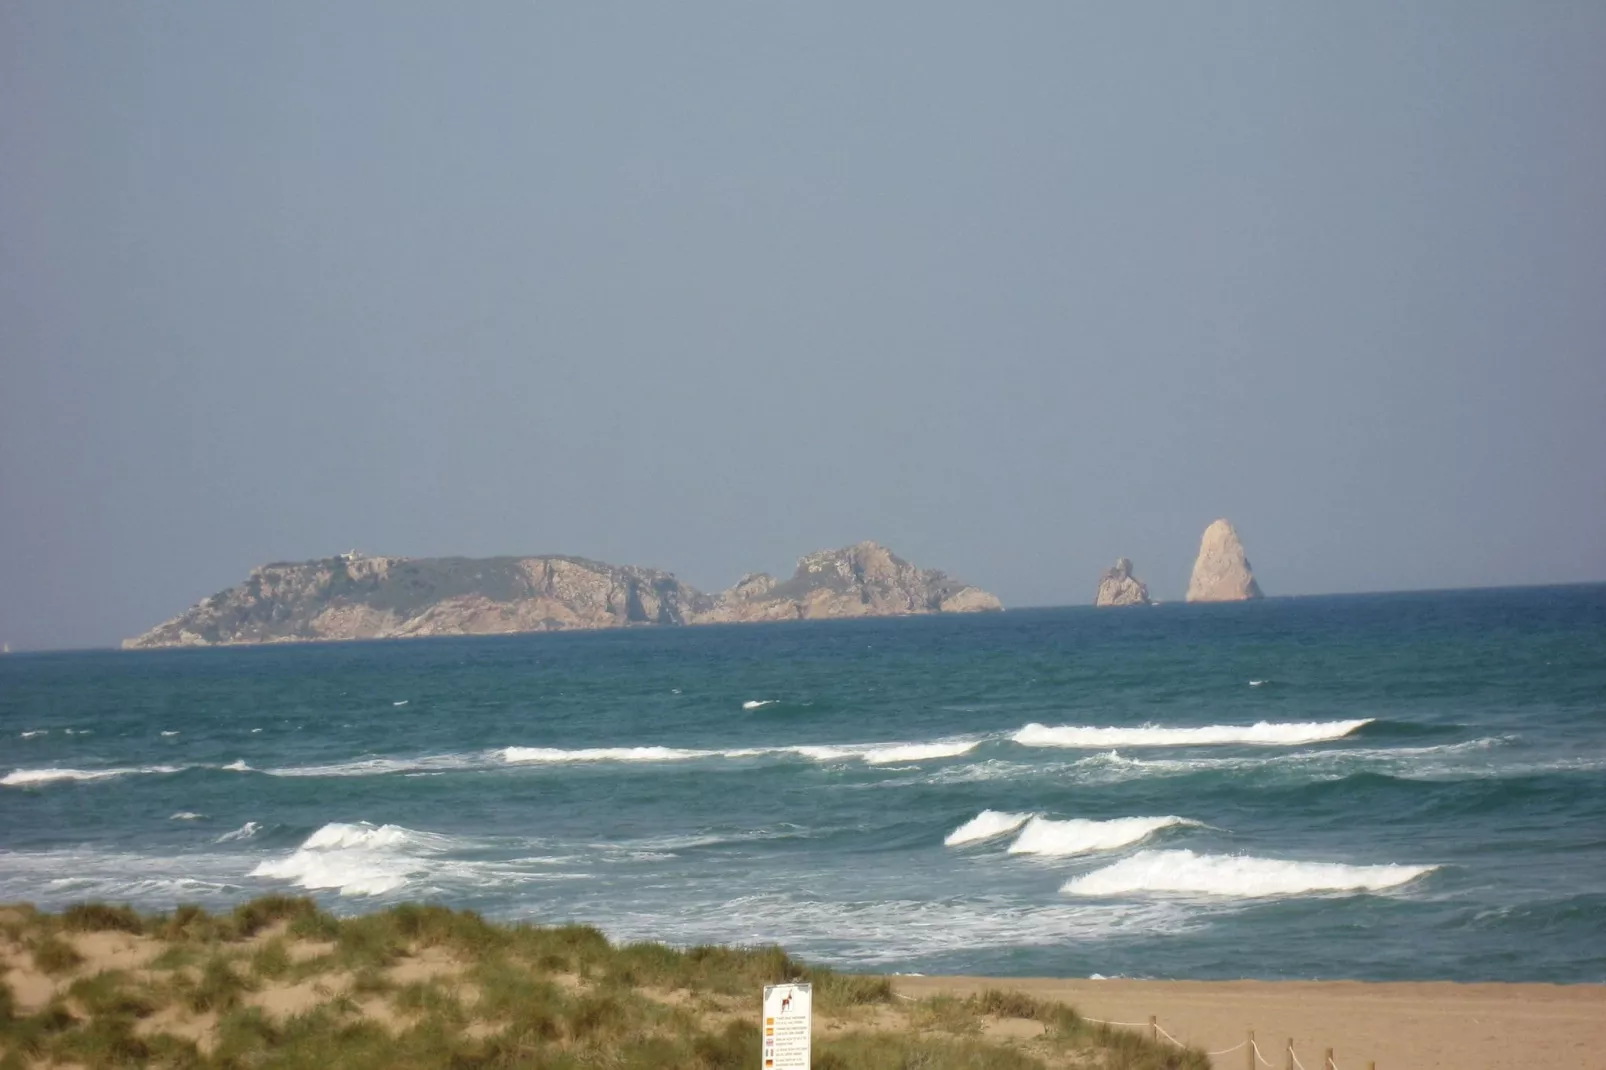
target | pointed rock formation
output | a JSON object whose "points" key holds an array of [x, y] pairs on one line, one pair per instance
{"points": [[1118, 587], [1221, 572]]}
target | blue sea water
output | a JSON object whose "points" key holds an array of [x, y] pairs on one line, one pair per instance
{"points": [[1372, 787]]}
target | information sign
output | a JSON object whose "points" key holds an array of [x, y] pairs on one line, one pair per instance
{"points": [[788, 1023]]}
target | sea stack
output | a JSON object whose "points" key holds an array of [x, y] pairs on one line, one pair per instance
{"points": [[1221, 573], [1118, 587]]}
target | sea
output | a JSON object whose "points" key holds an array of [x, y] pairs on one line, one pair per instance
{"points": [[1376, 787]]}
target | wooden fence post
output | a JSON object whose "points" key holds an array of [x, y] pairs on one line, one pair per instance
{"points": [[1328, 1065], [1154, 1028], [1288, 1063], [1249, 1050]]}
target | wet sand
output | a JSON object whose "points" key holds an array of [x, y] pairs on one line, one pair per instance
{"points": [[1400, 1026]]}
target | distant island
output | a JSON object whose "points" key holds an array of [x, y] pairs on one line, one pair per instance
{"points": [[360, 596]]}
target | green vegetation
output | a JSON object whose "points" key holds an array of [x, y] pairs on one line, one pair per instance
{"points": [[277, 983]]}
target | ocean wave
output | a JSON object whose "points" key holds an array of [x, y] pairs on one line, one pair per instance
{"points": [[356, 858], [607, 754], [758, 703], [187, 815], [35, 733], [869, 753], [382, 766], [1262, 733], [27, 778], [1059, 839], [869, 933], [985, 826], [1234, 876], [169, 734], [244, 832], [919, 752]]}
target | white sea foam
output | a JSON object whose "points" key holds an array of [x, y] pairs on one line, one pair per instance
{"points": [[37, 732], [1256, 683], [356, 859], [244, 832], [25, 778], [1076, 836], [985, 826], [756, 703], [381, 766], [919, 752], [879, 931], [871, 753], [254, 731], [401, 702], [187, 815], [169, 734], [604, 754], [1234, 876], [238, 766], [1262, 733]]}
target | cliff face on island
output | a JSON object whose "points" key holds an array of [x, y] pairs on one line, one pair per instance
{"points": [[1118, 587], [1221, 572], [355, 596]]}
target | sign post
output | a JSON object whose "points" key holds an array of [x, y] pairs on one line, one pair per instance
{"points": [[788, 1026]]}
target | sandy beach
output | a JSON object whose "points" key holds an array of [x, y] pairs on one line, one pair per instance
{"points": [[1416, 1025]]}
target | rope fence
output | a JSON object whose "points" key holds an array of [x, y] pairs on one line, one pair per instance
{"points": [[1254, 1056]]}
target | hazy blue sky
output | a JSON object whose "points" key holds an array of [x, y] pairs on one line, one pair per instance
{"points": [[1013, 288]]}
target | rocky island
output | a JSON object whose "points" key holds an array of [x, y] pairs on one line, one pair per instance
{"points": [[358, 596], [1221, 572], [1118, 587]]}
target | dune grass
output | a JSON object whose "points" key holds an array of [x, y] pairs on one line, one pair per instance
{"points": [[278, 983]]}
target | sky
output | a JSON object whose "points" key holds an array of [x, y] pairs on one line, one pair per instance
{"points": [[1014, 289]]}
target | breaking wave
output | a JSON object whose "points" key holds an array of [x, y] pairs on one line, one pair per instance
{"points": [[1262, 733], [758, 703], [244, 832], [869, 753], [356, 859], [985, 826], [1058, 839], [919, 752], [610, 754], [1234, 876], [27, 778]]}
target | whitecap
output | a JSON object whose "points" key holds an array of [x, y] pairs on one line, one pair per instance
{"points": [[169, 734], [919, 752], [187, 815], [382, 766], [1058, 839], [1257, 683], [403, 702], [757, 703], [24, 778], [1262, 733], [1235, 876], [238, 766], [606, 754], [37, 732], [985, 826], [244, 832], [356, 858]]}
